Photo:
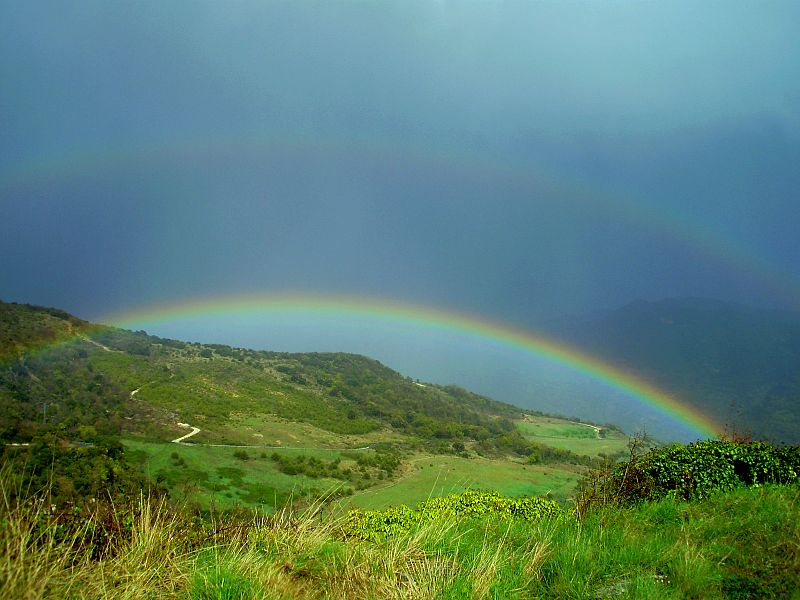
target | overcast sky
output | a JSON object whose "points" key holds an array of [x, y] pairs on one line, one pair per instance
{"points": [[516, 160]]}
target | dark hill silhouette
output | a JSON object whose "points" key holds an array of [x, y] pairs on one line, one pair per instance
{"points": [[739, 364]]}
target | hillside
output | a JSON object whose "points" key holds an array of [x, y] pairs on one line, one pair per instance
{"points": [[739, 364], [741, 543], [135, 466], [264, 428]]}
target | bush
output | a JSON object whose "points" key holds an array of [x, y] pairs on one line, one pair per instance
{"points": [[377, 525], [695, 470], [690, 471]]}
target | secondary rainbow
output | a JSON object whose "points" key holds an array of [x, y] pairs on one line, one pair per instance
{"points": [[396, 312], [683, 231]]}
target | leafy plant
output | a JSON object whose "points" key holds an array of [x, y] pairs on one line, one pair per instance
{"points": [[377, 525], [690, 471]]}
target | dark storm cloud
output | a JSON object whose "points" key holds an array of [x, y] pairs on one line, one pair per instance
{"points": [[475, 155]]}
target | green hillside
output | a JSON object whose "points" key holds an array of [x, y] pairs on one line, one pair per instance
{"points": [[265, 428], [139, 467]]}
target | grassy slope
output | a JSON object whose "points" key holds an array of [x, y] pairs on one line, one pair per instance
{"points": [[663, 550], [429, 476], [576, 438], [24, 327], [422, 475], [215, 477]]}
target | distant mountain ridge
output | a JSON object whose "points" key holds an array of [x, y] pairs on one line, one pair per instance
{"points": [[738, 364]]}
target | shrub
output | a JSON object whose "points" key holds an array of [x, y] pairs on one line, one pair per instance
{"points": [[690, 471], [695, 470], [377, 525]]}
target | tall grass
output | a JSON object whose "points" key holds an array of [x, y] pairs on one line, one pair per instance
{"points": [[97, 551], [742, 544]]}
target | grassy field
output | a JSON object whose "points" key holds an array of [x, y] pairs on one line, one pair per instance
{"points": [[577, 438], [560, 429], [429, 476], [213, 476], [741, 544]]}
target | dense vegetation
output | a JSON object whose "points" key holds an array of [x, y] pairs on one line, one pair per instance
{"points": [[24, 327], [699, 469], [379, 525]]}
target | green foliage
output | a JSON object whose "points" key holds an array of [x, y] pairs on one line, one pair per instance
{"points": [[24, 327], [300, 464], [377, 525], [57, 390], [74, 475], [696, 470], [385, 459], [130, 342]]}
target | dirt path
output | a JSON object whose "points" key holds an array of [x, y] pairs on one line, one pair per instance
{"points": [[194, 431], [98, 344]]}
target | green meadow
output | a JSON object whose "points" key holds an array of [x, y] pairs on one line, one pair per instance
{"points": [[577, 438], [429, 476], [228, 477], [220, 477]]}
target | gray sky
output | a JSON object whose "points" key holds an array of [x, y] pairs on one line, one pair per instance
{"points": [[516, 160]]}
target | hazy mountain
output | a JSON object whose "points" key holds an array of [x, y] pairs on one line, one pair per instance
{"points": [[739, 364]]}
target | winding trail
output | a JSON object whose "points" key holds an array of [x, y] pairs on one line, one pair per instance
{"points": [[194, 431]]}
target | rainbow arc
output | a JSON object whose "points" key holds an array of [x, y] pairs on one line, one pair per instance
{"points": [[391, 312]]}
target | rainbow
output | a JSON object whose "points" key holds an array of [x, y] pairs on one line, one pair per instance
{"points": [[398, 313]]}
